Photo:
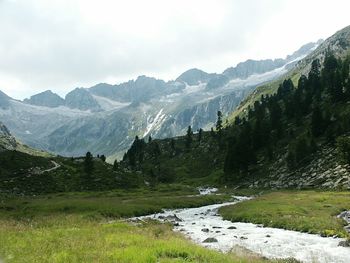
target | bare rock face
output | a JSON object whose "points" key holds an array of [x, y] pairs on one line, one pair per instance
{"points": [[323, 171], [345, 215], [7, 141]]}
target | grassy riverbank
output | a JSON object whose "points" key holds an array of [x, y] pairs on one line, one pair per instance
{"points": [[306, 211], [86, 227], [74, 239]]}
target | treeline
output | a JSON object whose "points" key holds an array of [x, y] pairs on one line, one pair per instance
{"points": [[294, 116]]}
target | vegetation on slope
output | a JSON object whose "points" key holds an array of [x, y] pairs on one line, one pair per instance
{"points": [[22, 173]]}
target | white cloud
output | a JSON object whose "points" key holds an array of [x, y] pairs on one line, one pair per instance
{"points": [[61, 44]]}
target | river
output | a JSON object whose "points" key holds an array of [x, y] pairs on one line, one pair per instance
{"points": [[204, 226]]}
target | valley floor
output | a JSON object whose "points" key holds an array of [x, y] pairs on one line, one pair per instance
{"points": [[88, 227]]}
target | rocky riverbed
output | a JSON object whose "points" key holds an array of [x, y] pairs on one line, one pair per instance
{"points": [[204, 226]]}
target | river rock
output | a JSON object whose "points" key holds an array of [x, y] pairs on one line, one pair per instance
{"points": [[206, 230], [210, 240], [232, 227], [344, 243], [173, 218]]}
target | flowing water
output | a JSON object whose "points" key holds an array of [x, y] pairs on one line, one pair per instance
{"points": [[204, 226]]}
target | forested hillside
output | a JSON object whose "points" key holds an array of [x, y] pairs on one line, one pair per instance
{"points": [[283, 141]]}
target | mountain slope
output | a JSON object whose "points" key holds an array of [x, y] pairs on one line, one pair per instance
{"points": [[4, 100], [296, 138], [105, 118]]}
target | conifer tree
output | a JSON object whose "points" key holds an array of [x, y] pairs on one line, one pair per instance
{"points": [[237, 120], [200, 135], [115, 165], [88, 163], [317, 122], [189, 137], [172, 144], [219, 121], [103, 158]]}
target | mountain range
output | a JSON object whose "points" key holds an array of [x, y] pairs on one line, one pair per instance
{"points": [[105, 118]]}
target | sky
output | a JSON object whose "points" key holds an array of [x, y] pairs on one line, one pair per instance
{"points": [[64, 44]]}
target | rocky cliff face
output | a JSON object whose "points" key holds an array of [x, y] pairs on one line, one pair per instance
{"points": [[324, 171], [7, 141]]}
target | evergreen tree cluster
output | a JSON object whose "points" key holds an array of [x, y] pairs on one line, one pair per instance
{"points": [[134, 156]]}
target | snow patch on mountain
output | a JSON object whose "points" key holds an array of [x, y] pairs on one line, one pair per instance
{"points": [[153, 123], [17, 106], [108, 104]]}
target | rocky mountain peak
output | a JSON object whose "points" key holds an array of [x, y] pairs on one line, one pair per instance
{"points": [[194, 77], [46, 98], [81, 98]]}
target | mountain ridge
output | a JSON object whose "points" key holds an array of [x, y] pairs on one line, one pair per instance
{"points": [[145, 106]]}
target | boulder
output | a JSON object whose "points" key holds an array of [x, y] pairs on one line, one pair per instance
{"points": [[210, 240], [344, 243]]}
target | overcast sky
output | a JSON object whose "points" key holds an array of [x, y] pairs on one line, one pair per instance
{"points": [[63, 44]]}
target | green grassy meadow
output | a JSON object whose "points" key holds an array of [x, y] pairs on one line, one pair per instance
{"points": [[90, 227], [306, 211], [73, 239]]}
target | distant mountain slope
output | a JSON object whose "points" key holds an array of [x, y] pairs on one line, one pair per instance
{"points": [[4, 100], [249, 67], [105, 118]]}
